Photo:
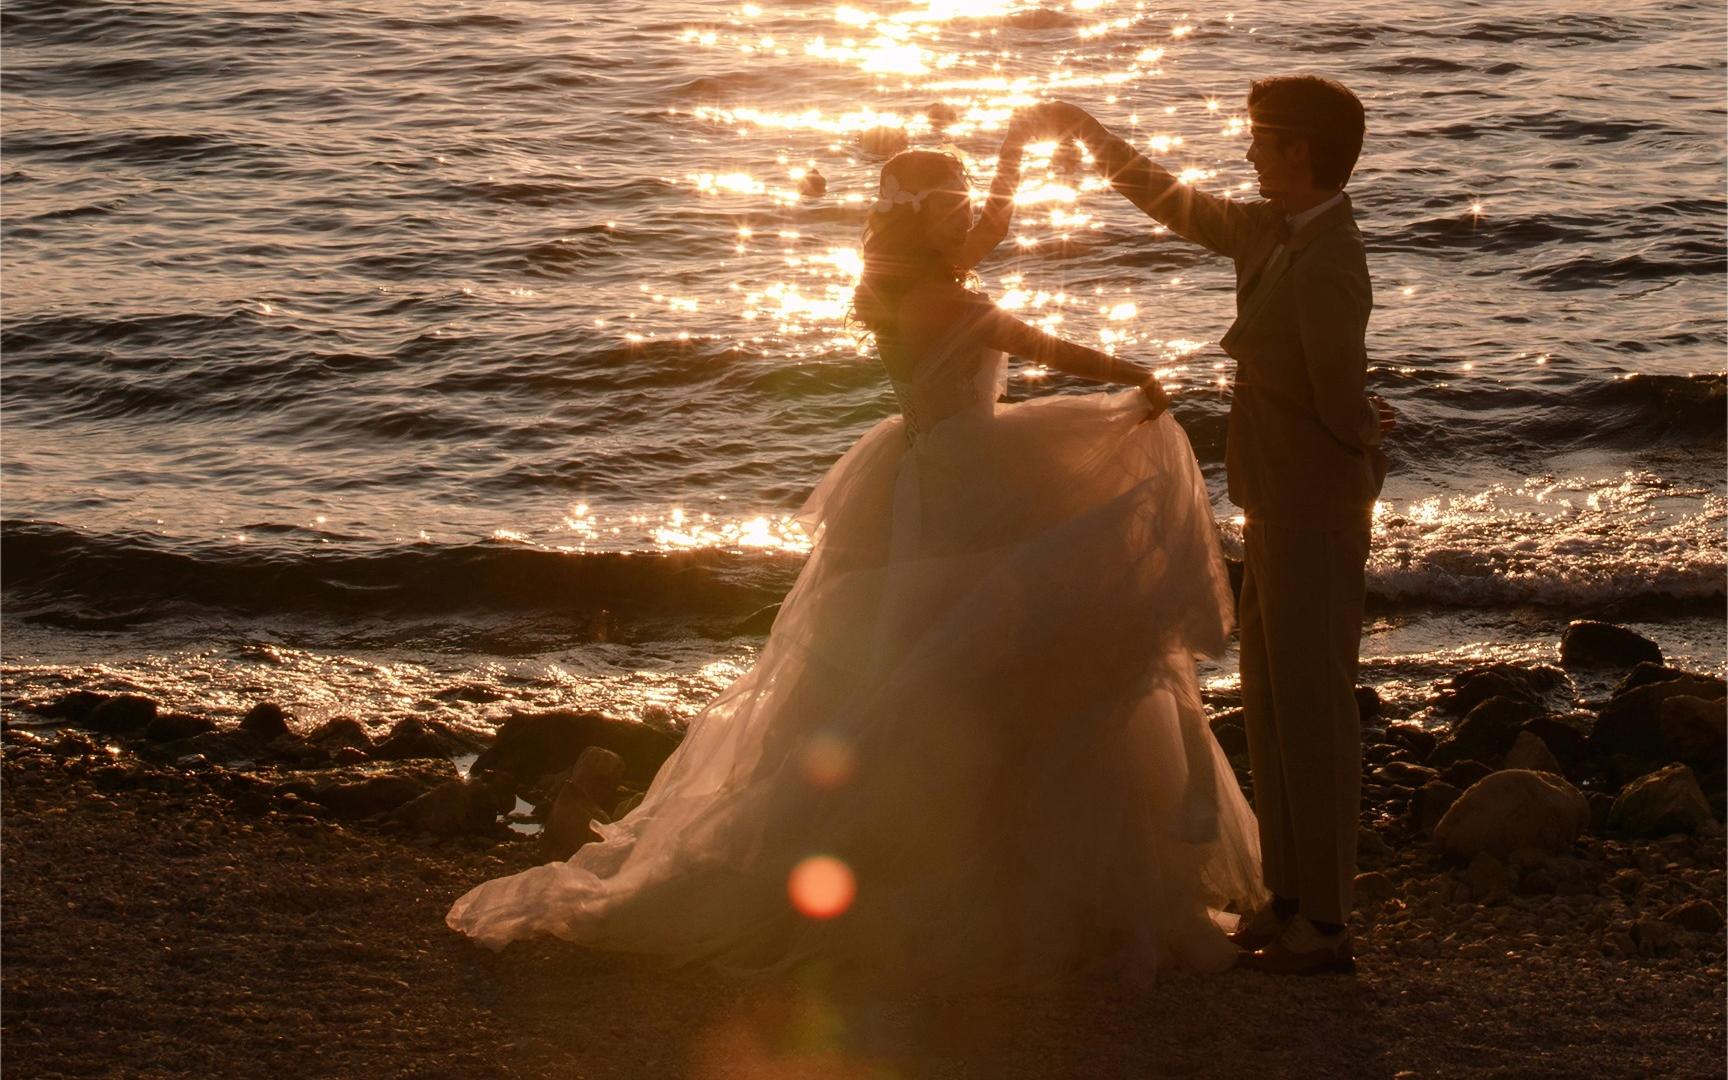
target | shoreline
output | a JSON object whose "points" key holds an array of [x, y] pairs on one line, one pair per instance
{"points": [[169, 913]]}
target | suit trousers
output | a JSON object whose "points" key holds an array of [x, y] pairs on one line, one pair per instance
{"points": [[1303, 591]]}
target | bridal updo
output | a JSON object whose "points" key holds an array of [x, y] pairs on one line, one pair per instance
{"points": [[909, 236]]}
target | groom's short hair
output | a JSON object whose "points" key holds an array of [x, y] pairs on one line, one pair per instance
{"points": [[1323, 112]]}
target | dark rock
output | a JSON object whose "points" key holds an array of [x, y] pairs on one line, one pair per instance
{"points": [[1371, 848], [1487, 732], [1368, 706], [458, 807], [74, 708], [339, 732], [1374, 885], [596, 775], [1404, 773], [1645, 674], [168, 727], [1666, 801], [1513, 809], [1465, 774], [229, 747], [1231, 738], [1693, 729], [1698, 916], [569, 824], [361, 793], [1539, 683], [350, 755], [1567, 738], [1530, 752], [1417, 740], [1590, 644], [266, 720], [758, 622], [1488, 878], [412, 738], [1600, 807], [627, 804], [1631, 723], [121, 715], [530, 746], [1429, 803]]}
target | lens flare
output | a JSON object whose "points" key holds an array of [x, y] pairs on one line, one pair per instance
{"points": [[821, 887], [826, 760]]}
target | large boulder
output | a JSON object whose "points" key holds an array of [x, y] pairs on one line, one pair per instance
{"points": [[1631, 722], [1590, 644], [530, 746], [1666, 801], [1429, 804], [172, 726], [74, 707], [1513, 809], [459, 807], [266, 720], [413, 738], [339, 733]]}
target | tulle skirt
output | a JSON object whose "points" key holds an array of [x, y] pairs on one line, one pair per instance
{"points": [[972, 752]]}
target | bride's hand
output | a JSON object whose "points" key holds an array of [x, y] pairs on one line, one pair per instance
{"points": [[1159, 401]]}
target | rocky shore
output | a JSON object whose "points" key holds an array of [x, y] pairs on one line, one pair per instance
{"points": [[1542, 893]]}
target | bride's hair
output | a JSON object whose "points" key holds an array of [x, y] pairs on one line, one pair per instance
{"points": [[897, 252]]}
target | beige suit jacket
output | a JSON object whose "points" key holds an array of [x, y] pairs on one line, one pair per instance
{"points": [[1303, 443]]}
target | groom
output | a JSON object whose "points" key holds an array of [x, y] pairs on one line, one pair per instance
{"points": [[1304, 464]]}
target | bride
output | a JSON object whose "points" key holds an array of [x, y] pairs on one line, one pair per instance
{"points": [[972, 752]]}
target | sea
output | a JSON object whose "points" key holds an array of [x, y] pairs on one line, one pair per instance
{"points": [[460, 357]]}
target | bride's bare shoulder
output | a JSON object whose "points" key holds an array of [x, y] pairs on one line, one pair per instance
{"points": [[929, 310]]}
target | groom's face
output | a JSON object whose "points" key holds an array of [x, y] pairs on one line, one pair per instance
{"points": [[1281, 165]]}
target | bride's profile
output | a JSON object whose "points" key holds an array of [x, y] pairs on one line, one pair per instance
{"points": [[972, 751]]}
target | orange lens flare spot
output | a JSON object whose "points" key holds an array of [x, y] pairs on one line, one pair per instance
{"points": [[821, 887], [826, 761]]}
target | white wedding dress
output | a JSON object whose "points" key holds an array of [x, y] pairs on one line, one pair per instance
{"points": [[979, 697]]}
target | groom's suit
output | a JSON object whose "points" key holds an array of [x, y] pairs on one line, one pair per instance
{"points": [[1303, 462]]}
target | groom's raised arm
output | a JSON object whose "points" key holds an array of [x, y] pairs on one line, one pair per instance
{"points": [[1212, 222]]}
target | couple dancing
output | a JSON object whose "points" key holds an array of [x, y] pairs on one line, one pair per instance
{"points": [[972, 752]]}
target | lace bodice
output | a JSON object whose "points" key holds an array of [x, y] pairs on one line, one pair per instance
{"points": [[957, 373]]}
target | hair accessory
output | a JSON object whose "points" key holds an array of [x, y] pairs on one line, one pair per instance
{"points": [[893, 195]]}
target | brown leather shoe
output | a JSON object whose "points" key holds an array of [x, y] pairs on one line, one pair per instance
{"points": [[1258, 929], [1303, 950]]}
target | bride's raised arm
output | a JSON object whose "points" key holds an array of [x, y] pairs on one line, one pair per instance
{"points": [[992, 225]]}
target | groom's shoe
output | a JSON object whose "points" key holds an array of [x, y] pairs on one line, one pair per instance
{"points": [[1302, 949], [1258, 930]]}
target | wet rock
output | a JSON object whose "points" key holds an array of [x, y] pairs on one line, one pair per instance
{"points": [[1536, 683], [1600, 806], [339, 732], [1694, 730], [1487, 732], [229, 747], [364, 792], [1666, 801], [266, 720], [412, 738], [350, 755], [1631, 722], [1645, 674], [1698, 916], [122, 714], [530, 746], [1590, 644], [459, 807], [169, 727], [1512, 809], [813, 185], [1371, 847], [1567, 738], [1418, 741], [1369, 708], [1654, 937], [74, 707], [941, 114], [1429, 804], [1530, 752]]}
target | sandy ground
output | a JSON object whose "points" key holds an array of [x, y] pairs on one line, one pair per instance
{"points": [[165, 933]]}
